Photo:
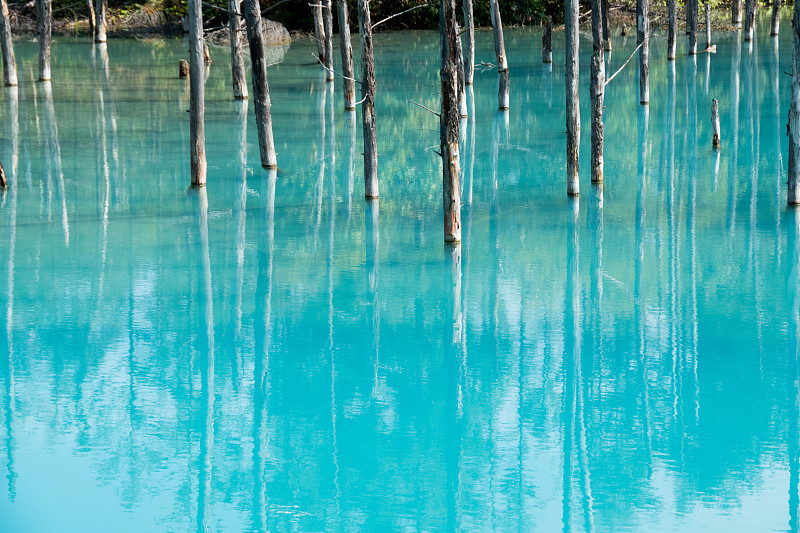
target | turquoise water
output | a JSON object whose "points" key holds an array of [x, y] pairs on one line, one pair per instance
{"points": [[272, 353]]}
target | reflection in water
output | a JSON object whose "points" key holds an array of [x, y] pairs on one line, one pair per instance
{"points": [[350, 164], [733, 162], [372, 236], [793, 345], [53, 150]]}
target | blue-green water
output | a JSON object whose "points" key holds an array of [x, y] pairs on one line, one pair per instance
{"points": [[274, 354]]}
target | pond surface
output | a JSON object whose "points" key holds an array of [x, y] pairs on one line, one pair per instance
{"points": [[272, 353]]}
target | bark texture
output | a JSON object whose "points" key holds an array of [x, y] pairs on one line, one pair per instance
{"points": [[469, 36], [261, 100], [750, 7], [327, 15], [448, 123], [237, 50], [776, 18], [368, 106], [606, 28], [90, 8], [547, 41], [319, 30], [597, 91], [183, 68], [708, 25], [794, 113], [9, 62], [736, 13], [198, 94], [3, 180], [715, 122], [691, 23], [643, 38], [100, 27], [573, 109], [44, 15], [347, 56], [672, 29], [500, 50]]}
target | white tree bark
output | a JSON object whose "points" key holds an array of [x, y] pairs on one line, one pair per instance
{"points": [[9, 62], [347, 57], [573, 108], [100, 21]]}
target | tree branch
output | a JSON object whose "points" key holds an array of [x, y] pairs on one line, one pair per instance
{"points": [[398, 14], [425, 108]]}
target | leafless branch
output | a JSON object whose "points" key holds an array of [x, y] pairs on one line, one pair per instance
{"points": [[398, 14], [331, 70], [425, 108]]}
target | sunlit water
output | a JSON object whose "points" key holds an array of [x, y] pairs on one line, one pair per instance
{"points": [[272, 353]]}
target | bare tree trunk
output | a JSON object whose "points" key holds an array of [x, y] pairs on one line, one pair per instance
{"points": [[3, 180], [573, 109], [736, 13], [90, 7], [237, 50], [597, 91], [500, 50], [368, 106], [643, 38], [691, 22], [347, 57], [715, 122], [9, 62], [749, 19], [469, 31], [708, 27], [606, 28], [319, 30], [462, 85], [100, 21], [255, 36], [672, 30], [547, 41], [198, 94], [327, 15], [448, 123], [794, 114], [776, 17], [44, 15]]}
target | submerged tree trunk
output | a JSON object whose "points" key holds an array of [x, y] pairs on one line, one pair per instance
{"points": [[776, 17], [794, 114], [672, 30], [347, 57], [261, 101], [319, 30], [547, 41], [368, 106], [597, 91], [448, 122], [100, 21], [198, 94], [500, 50], [237, 52], [44, 14], [691, 22], [749, 19], [327, 15], [9, 62], [708, 27], [469, 35], [643, 38], [573, 109], [736, 13]]}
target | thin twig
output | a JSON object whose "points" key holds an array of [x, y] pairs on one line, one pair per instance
{"points": [[398, 14], [331, 70], [631, 56], [229, 12], [273, 6], [361, 102], [425, 108]]}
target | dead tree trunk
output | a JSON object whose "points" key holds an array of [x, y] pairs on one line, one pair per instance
{"points": [[597, 91], [573, 109], [100, 21], [9, 62], [643, 39], [44, 15], [3, 180], [319, 30], [500, 50], [469, 34], [606, 28], [327, 15], [776, 17], [736, 13], [448, 122], [691, 21], [794, 114], [749, 19], [368, 106], [255, 37], [90, 8], [347, 57], [715, 122], [198, 94], [672, 30], [237, 53], [708, 26], [547, 41]]}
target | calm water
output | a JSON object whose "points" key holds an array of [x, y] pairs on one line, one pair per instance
{"points": [[274, 354]]}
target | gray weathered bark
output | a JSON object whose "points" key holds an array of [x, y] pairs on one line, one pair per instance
{"points": [[597, 91], [448, 123], [368, 106], [90, 8], [750, 7], [9, 62], [573, 109], [3, 180], [794, 114], [327, 15], [776, 17], [319, 30], [347, 57], [469, 35], [100, 21], [547, 41], [708, 26], [261, 100], [715, 122], [198, 94], [736, 13], [606, 28], [643, 38], [500, 50], [44, 16], [237, 50], [672, 30], [691, 23]]}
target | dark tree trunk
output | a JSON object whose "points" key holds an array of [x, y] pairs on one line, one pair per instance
{"points": [[547, 41], [9, 62], [261, 100], [448, 124], [597, 91], [794, 113], [198, 96], [573, 109], [749, 19], [776, 17], [44, 15], [319, 30], [691, 22], [643, 38], [237, 50], [368, 106], [347, 57], [606, 28]]}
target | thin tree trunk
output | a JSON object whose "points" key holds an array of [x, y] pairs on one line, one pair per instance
{"points": [[198, 94], [776, 17], [672, 30], [462, 86], [794, 114], [643, 38], [708, 27], [9, 62], [448, 123], [736, 13], [573, 109], [691, 22], [500, 50], [715, 122], [368, 106], [606, 28], [469, 33], [100, 21], [90, 7], [319, 30], [327, 15], [44, 14], [547, 41], [3, 180], [749, 19], [237, 50], [597, 90], [347, 57], [255, 37]]}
